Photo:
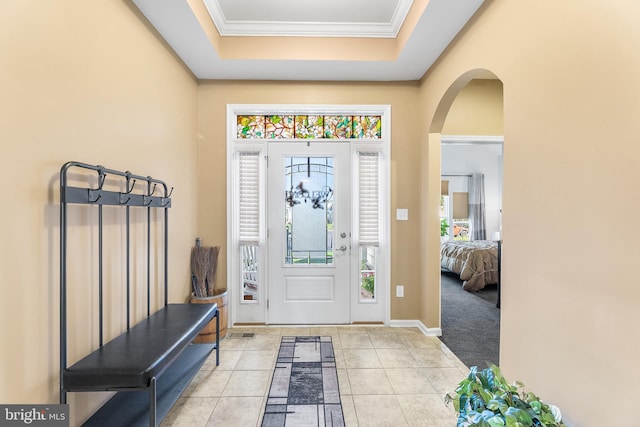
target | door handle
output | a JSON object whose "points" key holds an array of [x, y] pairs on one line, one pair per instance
{"points": [[342, 248]]}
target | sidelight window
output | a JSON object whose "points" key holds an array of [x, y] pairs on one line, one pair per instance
{"points": [[369, 221], [249, 222]]}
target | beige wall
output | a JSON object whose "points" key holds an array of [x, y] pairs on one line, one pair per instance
{"points": [[477, 110], [405, 245], [85, 81], [570, 293], [89, 81]]}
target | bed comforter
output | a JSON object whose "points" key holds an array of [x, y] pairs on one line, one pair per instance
{"points": [[476, 262]]}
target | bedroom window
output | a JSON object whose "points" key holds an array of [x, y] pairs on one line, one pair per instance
{"points": [[454, 210], [444, 210], [461, 229]]}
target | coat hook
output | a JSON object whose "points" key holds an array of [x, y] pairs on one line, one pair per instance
{"points": [[122, 201], [170, 192], [150, 200], [129, 190], [101, 177], [153, 190], [96, 199]]}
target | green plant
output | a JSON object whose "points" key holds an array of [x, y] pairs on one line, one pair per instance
{"points": [[485, 399], [368, 283], [443, 227]]}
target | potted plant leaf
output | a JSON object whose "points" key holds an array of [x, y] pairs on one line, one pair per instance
{"points": [[444, 226], [486, 399]]}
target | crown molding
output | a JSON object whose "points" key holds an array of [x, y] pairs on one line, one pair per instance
{"points": [[251, 28]]}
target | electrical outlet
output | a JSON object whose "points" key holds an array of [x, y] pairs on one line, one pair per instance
{"points": [[402, 214], [400, 291]]}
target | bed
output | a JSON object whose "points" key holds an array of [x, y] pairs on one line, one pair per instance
{"points": [[475, 261]]}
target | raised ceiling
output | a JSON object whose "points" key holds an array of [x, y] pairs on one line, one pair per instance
{"points": [[303, 18], [350, 40]]}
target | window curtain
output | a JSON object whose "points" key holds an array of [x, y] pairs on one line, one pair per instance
{"points": [[476, 207]]}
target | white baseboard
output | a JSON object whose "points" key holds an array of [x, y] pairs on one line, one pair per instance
{"points": [[430, 332]]}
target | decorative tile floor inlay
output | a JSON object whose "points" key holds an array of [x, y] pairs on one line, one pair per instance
{"points": [[304, 389]]}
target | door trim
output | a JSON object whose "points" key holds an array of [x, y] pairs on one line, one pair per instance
{"points": [[256, 313]]}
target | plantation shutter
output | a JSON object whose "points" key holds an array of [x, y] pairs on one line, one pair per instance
{"points": [[460, 205], [369, 203], [249, 173], [444, 188]]}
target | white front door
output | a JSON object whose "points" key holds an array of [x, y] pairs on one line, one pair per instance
{"points": [[309, 236]]}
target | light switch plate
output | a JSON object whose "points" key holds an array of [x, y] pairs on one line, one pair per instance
{"points": [[400, 291], [402, 214]]}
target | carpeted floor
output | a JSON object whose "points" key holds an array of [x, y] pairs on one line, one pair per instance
{"points": [[470, 322], [304, 388]]}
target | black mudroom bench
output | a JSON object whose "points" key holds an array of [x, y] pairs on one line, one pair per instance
{"points": [[138, 356], [135, 359]]}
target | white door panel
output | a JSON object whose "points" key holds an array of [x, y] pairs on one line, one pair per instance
{"points": [[309, 220], [304, 288]]}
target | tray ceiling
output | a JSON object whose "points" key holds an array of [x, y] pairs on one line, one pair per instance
{"points": [[353, 40]]}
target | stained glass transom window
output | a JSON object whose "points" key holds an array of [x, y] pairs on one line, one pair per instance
{"points": [[309, 126], [279, 127], [339, 127], [288, 126], [251, 127]]}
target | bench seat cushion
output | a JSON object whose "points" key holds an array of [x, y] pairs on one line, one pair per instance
{"points": [[131, 359]]}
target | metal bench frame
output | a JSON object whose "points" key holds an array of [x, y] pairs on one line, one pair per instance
{"points": [[134, 359]]}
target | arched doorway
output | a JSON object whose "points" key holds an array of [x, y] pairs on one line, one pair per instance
{"points": [[465, 139]]}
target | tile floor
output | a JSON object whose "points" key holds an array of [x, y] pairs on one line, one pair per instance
{"points": [[387, 377]]}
